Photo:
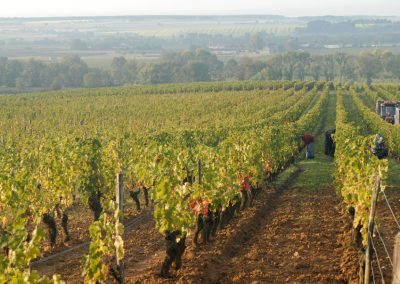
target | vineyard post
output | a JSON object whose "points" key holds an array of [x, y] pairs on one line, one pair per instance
{"points": [[120, 203], [374, 198], [396, 260], [199, 170]]}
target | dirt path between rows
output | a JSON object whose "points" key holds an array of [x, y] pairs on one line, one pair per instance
{"points": [[290, 235], [67, 262]]}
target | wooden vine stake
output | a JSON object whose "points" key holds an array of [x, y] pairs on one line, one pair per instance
{"points": [[199, 170], [396, 260], [120, 203], [371, 223]]}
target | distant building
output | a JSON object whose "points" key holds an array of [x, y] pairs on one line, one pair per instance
{"points": [[332, 46]]}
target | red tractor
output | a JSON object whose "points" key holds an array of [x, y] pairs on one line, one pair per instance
{"points": [[389, 111]]}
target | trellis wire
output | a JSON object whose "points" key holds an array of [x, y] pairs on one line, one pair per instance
{"points": [[384, 246], [372, 272], [377, 257], [390, 208]]}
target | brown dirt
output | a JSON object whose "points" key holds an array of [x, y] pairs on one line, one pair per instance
{"points": [[66, 259], [290, 235], [80, 219], [388, 229]]}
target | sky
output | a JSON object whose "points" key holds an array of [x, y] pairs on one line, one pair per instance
{"points": [[44, 8]]}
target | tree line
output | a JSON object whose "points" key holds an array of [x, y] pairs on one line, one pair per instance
{"points": [[200, 65]]}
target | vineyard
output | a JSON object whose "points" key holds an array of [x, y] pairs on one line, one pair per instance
{"points": [[200, 182]]}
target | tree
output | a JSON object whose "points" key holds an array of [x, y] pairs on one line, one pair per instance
{"points": [[391, 63], [262, 75], [3, 68], [328, 67], [195, 71], [349, 69], [96, 78], [315, 68], [275, 65], [118, 62], [13, 70], [155, 74], [78, 44], [73, 70], [57, 83], [256, 43], [369, 65], [32, 74], [302, 61], [288, 62], [341, 61], [248, 68], [20, 84], [231, 69], [215, 66], [299, 71], [123, 72]]}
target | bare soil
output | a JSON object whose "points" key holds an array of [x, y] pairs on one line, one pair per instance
{"points": [[388, 229], [290, 235]]}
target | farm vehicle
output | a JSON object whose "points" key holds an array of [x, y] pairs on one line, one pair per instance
{"points": [[389, 111]]}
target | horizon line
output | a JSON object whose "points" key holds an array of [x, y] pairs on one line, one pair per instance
{"points": [[197, 15]]}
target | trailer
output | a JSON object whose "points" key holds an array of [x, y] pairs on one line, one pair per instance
{"points": [[389, 111]]}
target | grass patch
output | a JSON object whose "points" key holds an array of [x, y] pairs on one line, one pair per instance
{"points": [[394, 174], [316, 173]]}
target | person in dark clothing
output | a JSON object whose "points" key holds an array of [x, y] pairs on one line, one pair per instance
{"points": [[379, 148], [309, 144], [329, 143]]}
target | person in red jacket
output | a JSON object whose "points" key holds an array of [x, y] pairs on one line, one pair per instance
{"points": [[309, 143], [389, 118]]}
